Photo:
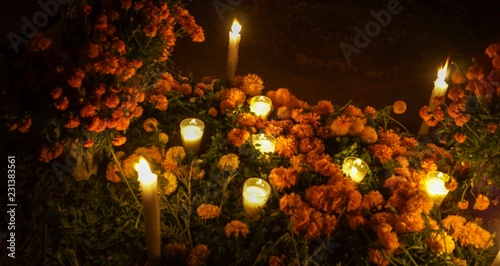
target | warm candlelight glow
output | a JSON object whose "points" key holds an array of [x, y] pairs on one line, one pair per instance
{"points": [[440, 87], [255, 194], [264, 143], [146, 177], [235, 29], [434, 185], [261, 105], [191, 134], [232, 54], [150, 210], [355, 168]]}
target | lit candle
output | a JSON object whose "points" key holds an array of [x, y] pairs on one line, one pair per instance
{"points": [[440, 87], [434, 185], [191, 134], [261, 105], [151, 211], [255, 194], [355, 168], [264, 143], [234, 43]]}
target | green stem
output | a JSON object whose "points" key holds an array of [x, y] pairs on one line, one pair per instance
{"points": [[397, 122], [408, 254]]}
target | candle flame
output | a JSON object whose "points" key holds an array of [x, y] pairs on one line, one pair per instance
{"points": [[236, 27], [442, 74], [145, 174]]}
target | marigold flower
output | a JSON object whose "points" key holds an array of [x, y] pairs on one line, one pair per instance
{"points": [[198, 255], [290, 202], [122, 123], [229, 162], [340, 126], [175, 252], [119, 140], [25, 126], [163, 138], [369, 135], [150, 124], [283, 178], [172, 183], [237, 137], [375, 256], [236, 228], [286, 146], [75, 80], [88, 143], [276, 261], [208, 211], [463, 205], [369, 111], [212, 112], [482, 202], [48, 154], [474, 72], [161, 102], [373, 200], [39, 43], [440, 243], [250, 84], [56, 92], [307, 222], [357, 126], [411, 222], [112, 173], [324, 108], [97, 124], [126, 4], [226, 105], [492, 127], [399, 107], [473, 235], [387, 237]]}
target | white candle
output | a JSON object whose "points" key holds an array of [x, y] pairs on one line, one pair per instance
{"points": [[434, 185], [232, 55], [191, 134], [255, 194], [355, 168], [440, 87], [264, 143], [261, 105], [151, 211]]}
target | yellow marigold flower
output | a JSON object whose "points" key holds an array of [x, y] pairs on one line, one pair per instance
{"points": [[283, 178], [455, 224], [440, 243], [229, 162], [399, 107], [171, 185], [482, 202], [236, 228], [150, 124], [340, 126], [163, 138], [208, 211], [452, 184], [463, 205], [460, 262], [128, 165], [198, 255], [473, 235], [375, 256], [411, 222]]}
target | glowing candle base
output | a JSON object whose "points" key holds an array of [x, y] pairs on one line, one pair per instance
{"points": [[434, 185], [355, 168], [261, 106], [255, 194], [264, 143], [192, 133]]}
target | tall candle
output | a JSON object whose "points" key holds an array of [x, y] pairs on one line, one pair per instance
{"points": [[264, 143], [261, 105], [434, 185], [151, 211], [255, 194], [232, 55], [355, 168], [440, 87], [191, 134]]}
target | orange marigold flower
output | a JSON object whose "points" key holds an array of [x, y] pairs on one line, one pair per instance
{"points": [[112, 173], [87, 110], [150, 30], [375, 256], [250, 84], [122, 123], [276, 261], [88, 143], [25, 126], [56, 92], [369, 135], [440, 243], [307, 222], [452, 185], [290, 202], [283, 178], [229, 162], [39, 43], [128, 165], [161, 102], [458, 77], [369, 111], [198, 255], [286, 146], [186, 89], [112, 101], [119, 140], [373, 200], [73, 122], [227, 104], [473, 235], [399, 107], [212, 112], [463, 205], [355, 221], [301, 131], [49, 154], [474, 72], [357, 126], [150, 124], [340, 126], [324, 108], [97, 124], [236, 228], [460, 137], [352, 110], [238, 137], [482, 202], [492, 127], [411, 222], [126, 4], [175, 252], [387, 237], [208, 211], [75, 80]]}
